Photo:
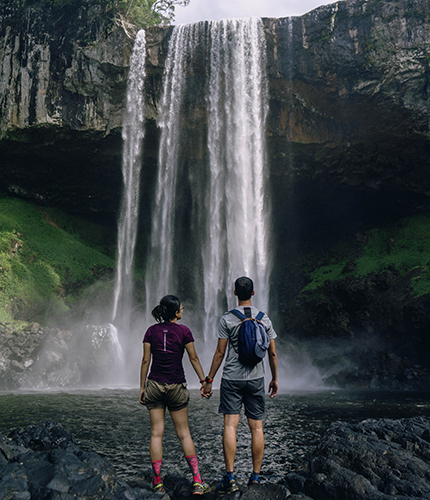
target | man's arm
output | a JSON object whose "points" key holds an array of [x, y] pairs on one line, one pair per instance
{"points": [[146, 358], [216, 363], [273, 362]]}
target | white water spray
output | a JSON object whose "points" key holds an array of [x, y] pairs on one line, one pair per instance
{"points": [[133, 133]]}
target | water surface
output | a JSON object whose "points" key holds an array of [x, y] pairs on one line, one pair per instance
{"points": [[113, 423]]}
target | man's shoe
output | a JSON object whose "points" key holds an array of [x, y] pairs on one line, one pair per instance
{"points": [[227, 485], [253, 481], [200, 488], [158, 488]]}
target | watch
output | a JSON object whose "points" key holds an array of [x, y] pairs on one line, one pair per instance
{"points": [[207, 380]]}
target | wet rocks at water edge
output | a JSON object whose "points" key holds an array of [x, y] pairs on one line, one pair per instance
{"points": [[45, 462], [372, 460]]}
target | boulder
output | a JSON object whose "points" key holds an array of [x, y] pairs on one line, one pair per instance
{"points": [[372, 460], [45, 462]]}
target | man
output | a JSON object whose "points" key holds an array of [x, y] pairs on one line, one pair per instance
{"points": [[241, 385]]}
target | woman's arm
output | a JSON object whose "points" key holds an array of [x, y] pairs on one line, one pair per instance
{"points": [[194, 360], [146, 359]]}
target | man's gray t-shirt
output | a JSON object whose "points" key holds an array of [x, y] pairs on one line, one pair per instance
{"points": [[228, 329]]}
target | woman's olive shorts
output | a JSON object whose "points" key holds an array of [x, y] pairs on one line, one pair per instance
{"points": [[159, 395]]}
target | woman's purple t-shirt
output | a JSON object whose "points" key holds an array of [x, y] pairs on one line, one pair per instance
{"points": [[168, 342]]}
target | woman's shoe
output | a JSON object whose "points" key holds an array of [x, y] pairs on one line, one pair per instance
{"points": [[200, 488], [158, 488]]}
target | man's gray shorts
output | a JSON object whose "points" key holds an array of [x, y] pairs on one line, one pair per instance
{"points": [[250, 393]]}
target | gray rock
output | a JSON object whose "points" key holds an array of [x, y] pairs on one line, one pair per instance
{"points": [[375, 459], [53, 466]]}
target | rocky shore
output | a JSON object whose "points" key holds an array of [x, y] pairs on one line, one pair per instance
{"points": [[373, 460]]}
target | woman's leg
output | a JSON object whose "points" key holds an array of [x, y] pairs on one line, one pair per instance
{"points": [[180, 421], [156, 417]]}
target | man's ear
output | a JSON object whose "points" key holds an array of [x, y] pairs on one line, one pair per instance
{"points": [[253, 291], [235, 292]]}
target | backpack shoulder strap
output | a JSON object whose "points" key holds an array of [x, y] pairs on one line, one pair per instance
{"points": [[238, 314], [259, 316]]}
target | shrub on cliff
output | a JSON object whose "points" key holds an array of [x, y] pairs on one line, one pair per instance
{"points": [[47, 257], [140, 13]]}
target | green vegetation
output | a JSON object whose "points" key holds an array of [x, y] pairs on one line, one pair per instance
{"points": [[140, 13], [403, 246], [48, 257]]}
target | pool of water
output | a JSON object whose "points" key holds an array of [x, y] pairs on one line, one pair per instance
{"points": [[114, 424]]}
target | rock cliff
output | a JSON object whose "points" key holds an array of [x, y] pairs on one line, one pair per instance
{"points": [[62, 84], [348, 136], [348, 122]]}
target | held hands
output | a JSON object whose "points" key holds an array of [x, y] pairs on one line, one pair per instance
{"points": [[273, 388], [206, 390]]}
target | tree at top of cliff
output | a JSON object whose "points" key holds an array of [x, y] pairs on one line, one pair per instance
{"points": [[140, 13]]}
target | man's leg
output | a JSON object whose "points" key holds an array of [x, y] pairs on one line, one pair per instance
{"points": [[229, 440], [257, 443]]}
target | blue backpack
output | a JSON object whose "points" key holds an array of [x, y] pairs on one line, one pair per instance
{"points": [[252, 339]]}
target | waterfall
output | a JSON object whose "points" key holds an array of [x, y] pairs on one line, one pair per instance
{"points": [[225, 233], [133, 133], [237, 232], [159, 280]]}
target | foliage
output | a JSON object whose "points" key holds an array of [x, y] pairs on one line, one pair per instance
{"points": [[403, 246], [140, 13], [47, 256]]}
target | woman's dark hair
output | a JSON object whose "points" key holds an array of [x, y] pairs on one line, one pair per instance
{"points": [[167, 308], [244, 287]]}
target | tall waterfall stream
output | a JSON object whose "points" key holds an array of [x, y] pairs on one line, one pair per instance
{"points": [[229, 210]]}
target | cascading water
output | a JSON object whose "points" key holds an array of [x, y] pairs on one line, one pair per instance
{"points": [[237, 231], [133, 133], [228, 211]]}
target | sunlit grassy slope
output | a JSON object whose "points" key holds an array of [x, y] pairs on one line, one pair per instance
{"points": [[403, 246], [47, 256]]}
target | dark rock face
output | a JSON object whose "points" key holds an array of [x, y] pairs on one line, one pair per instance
{"points": [[61, 107], [348, 128]]}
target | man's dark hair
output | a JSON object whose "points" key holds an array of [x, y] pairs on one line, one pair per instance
{"points": [[244, 287]]}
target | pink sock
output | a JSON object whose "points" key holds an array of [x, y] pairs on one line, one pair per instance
{"points": [[194, 467], [156, 468]]}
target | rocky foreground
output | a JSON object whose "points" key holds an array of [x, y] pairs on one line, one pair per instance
{"points": [[372, 460]]}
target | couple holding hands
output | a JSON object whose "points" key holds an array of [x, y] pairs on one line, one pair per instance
{"points": [[165, 386]]}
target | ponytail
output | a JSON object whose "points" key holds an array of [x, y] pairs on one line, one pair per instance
{"points": [[167, 308]]}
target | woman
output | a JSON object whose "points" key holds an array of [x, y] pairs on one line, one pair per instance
{"points": [[166, 385]]}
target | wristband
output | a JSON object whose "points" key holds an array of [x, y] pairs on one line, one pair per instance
{"points": [[207, 380]]}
